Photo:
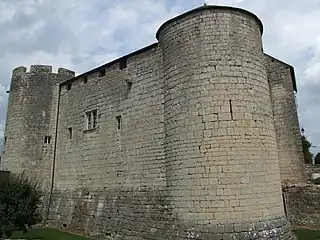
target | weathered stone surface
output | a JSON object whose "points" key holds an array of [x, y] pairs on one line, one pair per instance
{"points": [[184, 144], [312, 171], [302, 204], [282, 83]]}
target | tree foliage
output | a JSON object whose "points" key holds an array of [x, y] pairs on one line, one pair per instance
{"points": [[306, 150], [19, 204]]}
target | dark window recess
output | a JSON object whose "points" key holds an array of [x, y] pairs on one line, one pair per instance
{"points": [[92, 119], [123, 63], [102, 72], [69, 86], [118, 122], [85, 79], [70, 133], [47, 139], [129, 86], [5, 140], [231, 111]]}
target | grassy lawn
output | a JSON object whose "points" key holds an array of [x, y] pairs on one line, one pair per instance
{"points": [[47, 234], [304, 234]]}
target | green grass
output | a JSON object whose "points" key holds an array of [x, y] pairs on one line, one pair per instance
{"points": [[47, 234], [304, 234]]}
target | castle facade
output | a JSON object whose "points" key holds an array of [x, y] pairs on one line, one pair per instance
{"points": [[191, 137]]}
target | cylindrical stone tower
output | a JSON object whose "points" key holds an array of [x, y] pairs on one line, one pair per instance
{"points": [[30, 132], [223, 173]]}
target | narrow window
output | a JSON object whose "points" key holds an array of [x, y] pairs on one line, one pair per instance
{"points": [[94, 119], [70, 133], [88, 114], [85, 79], [118, 122], [69, 86], [123, 63], [129, 85], [5, 140], [102, 72], [47, 139]]}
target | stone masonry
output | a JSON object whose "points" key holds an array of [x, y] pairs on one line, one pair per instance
{"points": [[188, 138]]}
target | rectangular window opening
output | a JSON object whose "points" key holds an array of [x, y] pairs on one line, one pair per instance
{"points": [[129, 85], [102, 72], [123, 63], [47, 139], [5, 140], [85, 79], [69, 86], [118, 122], [92, 119], [70, 133]]}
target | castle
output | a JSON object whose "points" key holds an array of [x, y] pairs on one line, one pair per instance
{"points": [[191, 137]]}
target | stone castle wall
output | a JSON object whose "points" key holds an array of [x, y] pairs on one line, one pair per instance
{"points": [[282, 84], [123, 189], [302, 205], [184, 145]]}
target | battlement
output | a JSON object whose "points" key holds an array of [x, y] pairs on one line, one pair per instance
{"points": [[66, 72], [19, 70], [42, 69]]}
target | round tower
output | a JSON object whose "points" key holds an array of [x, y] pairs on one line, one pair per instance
{"points": [[222, 165], [30, 132]]}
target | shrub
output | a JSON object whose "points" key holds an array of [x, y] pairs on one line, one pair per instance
{"points": [[19, 204]]}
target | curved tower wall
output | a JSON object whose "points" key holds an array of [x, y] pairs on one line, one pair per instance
{"points": [[222, 162], [30, 117]]}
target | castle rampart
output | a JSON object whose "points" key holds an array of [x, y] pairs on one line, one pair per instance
{"points": [[174, 141]]}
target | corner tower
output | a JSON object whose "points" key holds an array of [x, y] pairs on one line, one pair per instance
{"points": [[30, 128], [223, 174]]}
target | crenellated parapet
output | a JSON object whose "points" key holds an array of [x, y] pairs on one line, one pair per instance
{"points": [[66, 72], [42, 69], [18, 71]]}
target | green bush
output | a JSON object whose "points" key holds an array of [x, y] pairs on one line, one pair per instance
{"points": [[19, 204]]}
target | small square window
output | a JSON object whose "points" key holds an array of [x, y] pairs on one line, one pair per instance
{"points": [[69, 86], [102, 73], [47, 139], [85, 79], [123, 63], [118, 122], [70, 133]]}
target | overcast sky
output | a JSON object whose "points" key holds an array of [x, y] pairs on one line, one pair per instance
{"points": [[81, 34]]}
